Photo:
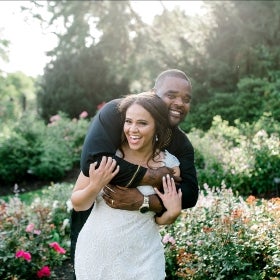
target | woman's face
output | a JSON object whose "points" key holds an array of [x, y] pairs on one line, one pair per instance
{"points": [[139, 128]]}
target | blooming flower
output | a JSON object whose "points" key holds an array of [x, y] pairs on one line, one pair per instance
{"points": [[251, 199], [37, 231], [57, 248], [30, 228], [44, 272], [167, 238], [54, 118], [24, 255], [83, 115]]}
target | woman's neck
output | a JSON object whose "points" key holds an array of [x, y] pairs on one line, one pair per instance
{"points": [[139, 157]]}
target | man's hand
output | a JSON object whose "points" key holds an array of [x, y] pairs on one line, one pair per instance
{"points": [[153, 177], [122, 197], [129, 199]]}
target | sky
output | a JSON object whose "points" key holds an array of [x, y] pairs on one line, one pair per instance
{"points": [[28, 44]]}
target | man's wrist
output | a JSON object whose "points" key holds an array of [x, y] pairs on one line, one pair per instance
{"points": [[145, 207], [156, 204]]}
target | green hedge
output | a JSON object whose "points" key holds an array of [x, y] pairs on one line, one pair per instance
{"points": [[245, 157], [31, 148]]}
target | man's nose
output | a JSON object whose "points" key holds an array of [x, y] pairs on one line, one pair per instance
{"points": [[178, 101]]}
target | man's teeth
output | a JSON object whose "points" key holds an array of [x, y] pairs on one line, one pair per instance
{"points": [[175, 112]]}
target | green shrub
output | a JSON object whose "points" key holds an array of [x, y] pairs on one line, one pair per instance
{"points": [[225, 237], [245, 157], [46, 152], [34, 237], [15, 154]]}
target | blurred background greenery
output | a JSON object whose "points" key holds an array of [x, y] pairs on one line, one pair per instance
{"points": [[105, 50]]}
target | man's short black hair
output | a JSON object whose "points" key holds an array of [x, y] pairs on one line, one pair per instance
{"points": [[171, 73]]}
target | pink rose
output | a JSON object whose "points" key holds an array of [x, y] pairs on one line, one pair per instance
{"points": [[83, 115], [30, 228], [37, 231], [54, 118], [167, 238], [172, 240], [24, 255], [57, 248], [44, 272]]}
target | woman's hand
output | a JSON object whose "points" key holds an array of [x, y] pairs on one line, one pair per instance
{"points": [[87, 188], [172, 201], [101, 176]]}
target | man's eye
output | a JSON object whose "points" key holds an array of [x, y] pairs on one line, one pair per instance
{"points": [[127, 121], [187, 100]]}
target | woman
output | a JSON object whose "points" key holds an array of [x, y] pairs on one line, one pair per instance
{"points": [[118, 244]]}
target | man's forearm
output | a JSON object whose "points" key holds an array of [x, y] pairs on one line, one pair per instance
{"points": [[150, 178], [153, 177], [129, 175]]}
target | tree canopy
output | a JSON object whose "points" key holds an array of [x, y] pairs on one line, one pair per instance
{"points": [[105, 50]]}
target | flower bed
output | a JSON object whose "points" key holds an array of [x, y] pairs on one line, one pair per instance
{"points": [[34, 239], [225, 237]]}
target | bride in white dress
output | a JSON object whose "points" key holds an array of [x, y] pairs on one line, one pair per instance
{"points": [[118, 244]]}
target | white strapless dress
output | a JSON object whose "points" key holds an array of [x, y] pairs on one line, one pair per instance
{"points": [[119, 244]]}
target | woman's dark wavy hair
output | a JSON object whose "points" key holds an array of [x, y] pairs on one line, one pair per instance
{"points": [[158, 110]]}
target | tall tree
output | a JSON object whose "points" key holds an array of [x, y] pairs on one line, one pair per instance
{"points": [[90, 62]]}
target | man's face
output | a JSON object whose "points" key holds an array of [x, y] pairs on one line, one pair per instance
{"points": [[176, 93]]}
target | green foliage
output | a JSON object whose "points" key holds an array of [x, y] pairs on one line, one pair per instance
{"points": [[78, 84], [32, 149], [254, 98], [224, 237], [17, 95], [4, 45], [244, 156], [32, 229], [14, 157], [105, 50], [86, 71]]}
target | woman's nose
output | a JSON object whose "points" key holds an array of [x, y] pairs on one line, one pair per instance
{"points": [[133, 127]]}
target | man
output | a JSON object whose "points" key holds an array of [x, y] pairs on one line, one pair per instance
{"points": [[103, 138]]}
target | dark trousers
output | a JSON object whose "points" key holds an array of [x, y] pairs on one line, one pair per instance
{"points": [[77, 221]]}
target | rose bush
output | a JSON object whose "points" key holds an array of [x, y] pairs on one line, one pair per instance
{"points": [[225, 237], [34, 238]]}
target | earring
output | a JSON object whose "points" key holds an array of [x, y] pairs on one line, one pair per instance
{"points": [[156, 138]]}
